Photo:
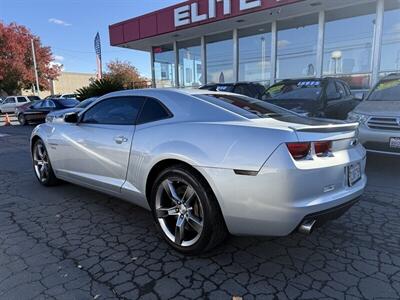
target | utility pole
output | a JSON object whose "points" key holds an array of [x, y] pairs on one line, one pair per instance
{"points": [[35, 67]]}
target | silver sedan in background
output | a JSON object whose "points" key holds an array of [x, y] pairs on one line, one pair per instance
{"points": [[206, 163]]}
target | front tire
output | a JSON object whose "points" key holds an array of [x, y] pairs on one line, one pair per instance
{"points": [[186, 211], [42, 165]]}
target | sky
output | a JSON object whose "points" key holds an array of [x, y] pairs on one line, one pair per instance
{"points": [[69, 28]]}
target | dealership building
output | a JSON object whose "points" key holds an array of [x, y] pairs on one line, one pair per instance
{"points": [[207, 41]]}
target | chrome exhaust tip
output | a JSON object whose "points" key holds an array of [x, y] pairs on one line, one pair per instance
{"points": [[307, 226]]}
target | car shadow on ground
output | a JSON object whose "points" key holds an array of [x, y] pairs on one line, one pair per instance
{"points": [[118, 245]]}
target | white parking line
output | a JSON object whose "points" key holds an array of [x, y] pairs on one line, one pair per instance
{"points": [[3, 135]]}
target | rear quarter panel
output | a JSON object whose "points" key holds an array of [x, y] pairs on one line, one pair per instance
{"points": [[202, 144]]}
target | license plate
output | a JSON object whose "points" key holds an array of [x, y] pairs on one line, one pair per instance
{"points": [[395, 143], [354, 173]]}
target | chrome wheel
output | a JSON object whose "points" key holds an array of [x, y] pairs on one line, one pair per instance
{"points": [[179, 212], [41, 162]]}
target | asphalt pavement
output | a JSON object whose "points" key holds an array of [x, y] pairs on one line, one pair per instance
{"points": [[68, 242]]}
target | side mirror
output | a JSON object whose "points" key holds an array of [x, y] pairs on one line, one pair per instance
{"points": [[71, 118], [359, 96]]}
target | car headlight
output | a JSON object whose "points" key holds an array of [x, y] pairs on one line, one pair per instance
{"points": [[356, 117], [49, 119]]}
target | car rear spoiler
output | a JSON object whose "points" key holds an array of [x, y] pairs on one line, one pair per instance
{"points": [[328, 128]]}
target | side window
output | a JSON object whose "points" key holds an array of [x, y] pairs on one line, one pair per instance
{"points": [[48, 104], [331, 92], [37, 105], [347, 88], [243, 90], [341, 90], [21, 99], [10, 100], [115, 111], [153, 110]]}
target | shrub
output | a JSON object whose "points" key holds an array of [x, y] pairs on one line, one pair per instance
{"points": [[99, 87]]}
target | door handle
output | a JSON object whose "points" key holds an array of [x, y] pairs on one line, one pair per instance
{"points": [[120, 139]]}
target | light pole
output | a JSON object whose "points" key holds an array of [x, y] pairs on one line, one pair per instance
{"points": [[336, 56], [35, 67]]}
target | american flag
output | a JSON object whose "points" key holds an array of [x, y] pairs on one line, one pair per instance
{"points": [[97, 49]]}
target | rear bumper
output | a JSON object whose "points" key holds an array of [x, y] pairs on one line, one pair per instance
{"points": [[329, 214], [282, 195], [378, 140]]}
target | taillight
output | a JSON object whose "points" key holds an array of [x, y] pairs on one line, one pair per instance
{"points": [[321, 148], [299, 150]]}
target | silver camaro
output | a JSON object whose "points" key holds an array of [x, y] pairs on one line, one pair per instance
{"points": [[206, 163]]}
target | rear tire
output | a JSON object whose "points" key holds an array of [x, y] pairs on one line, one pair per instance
{"points": [[42, 165], [186, 211], [22, 120]]}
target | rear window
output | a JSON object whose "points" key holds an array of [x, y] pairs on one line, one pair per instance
{"points": [[68, 102], [245, 106], [251, 108], [295, 90], [224, 88], [34, 98]]}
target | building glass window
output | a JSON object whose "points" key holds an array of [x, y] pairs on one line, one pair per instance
{"points": [[190, 63], [220, 58], [255, 54], [297, 47], [348, 41], [390, 56], [164, 66]]}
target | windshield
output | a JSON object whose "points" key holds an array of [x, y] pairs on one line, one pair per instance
{"points": [[86, 103], [386, 90], [295, 90], [68, 102]]}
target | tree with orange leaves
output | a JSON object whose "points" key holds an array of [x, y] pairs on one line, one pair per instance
{"points": [[16, 61]]}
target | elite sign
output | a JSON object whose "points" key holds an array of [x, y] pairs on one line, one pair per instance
{"points": [[187, 14]]}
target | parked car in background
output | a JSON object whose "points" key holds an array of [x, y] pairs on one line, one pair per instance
{"points": [[68, 96], [206, 163], [11, 103], [249, 89], [325, 97], [58, 115], [62, 96], [379, 117], [34, 98], [36, 112]]}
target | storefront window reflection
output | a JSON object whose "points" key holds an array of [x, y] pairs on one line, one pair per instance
{"points": [[348, 44], [390, 58], [220, 58], [190, 63], [297, 48], [255, 54], [164, 66]]}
